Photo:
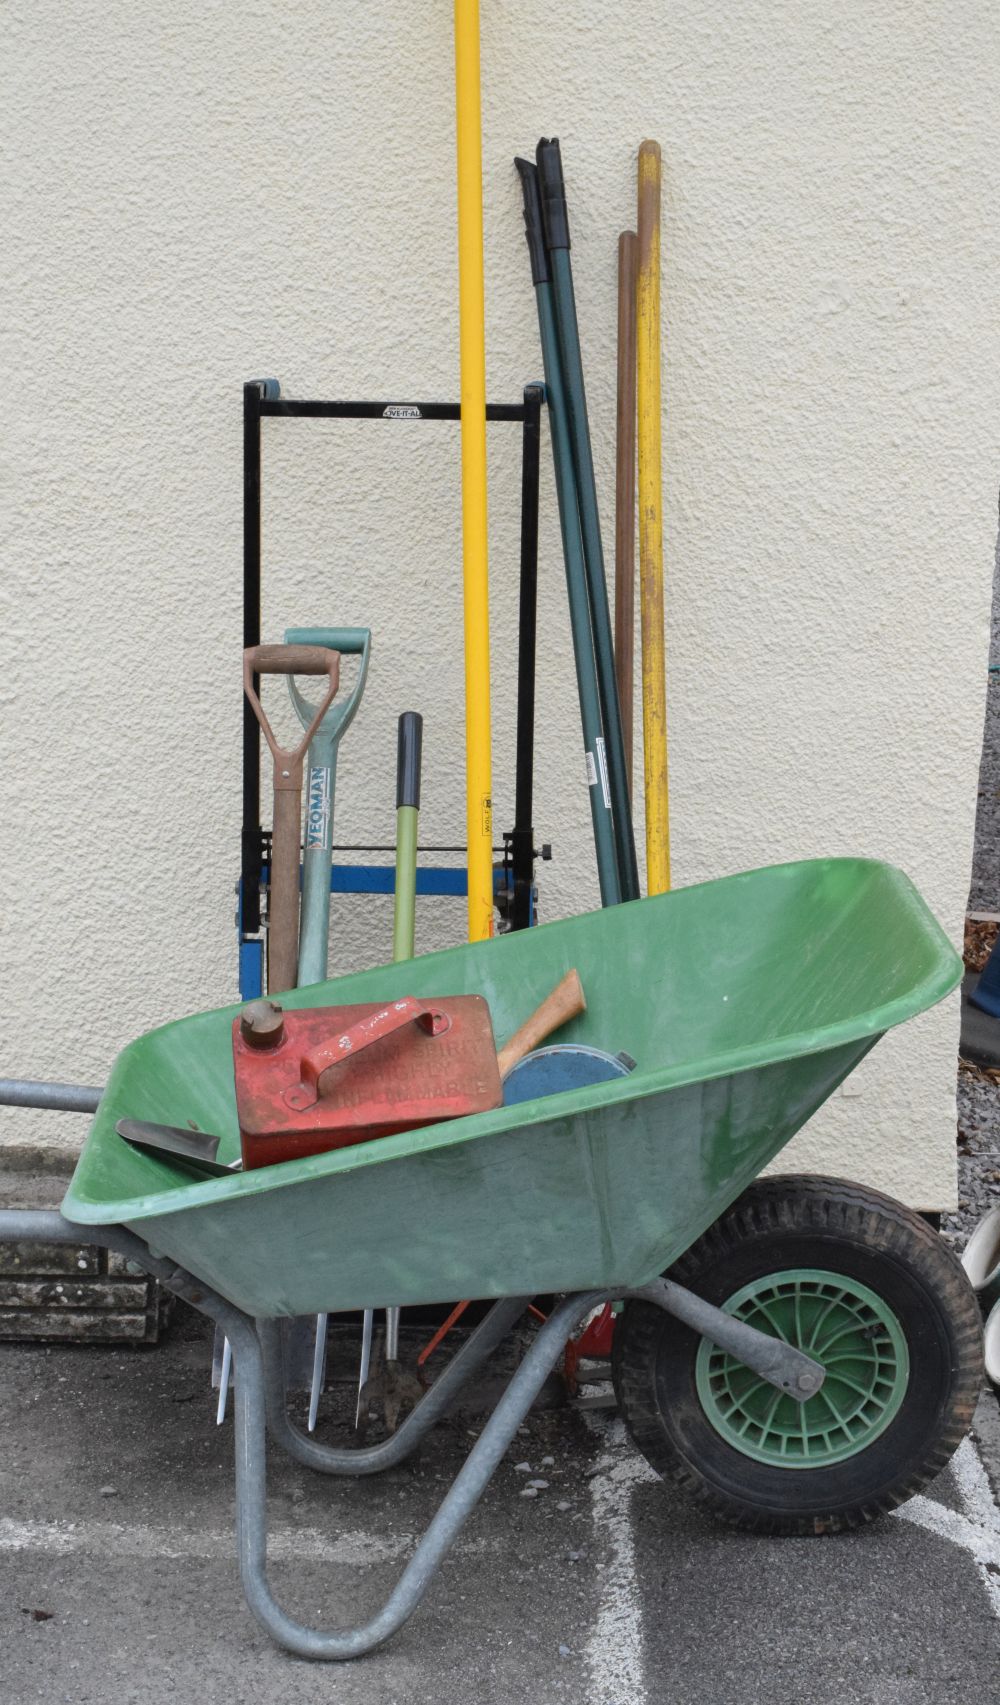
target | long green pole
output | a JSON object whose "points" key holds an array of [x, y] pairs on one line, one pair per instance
{"points": [[572, 543], [404, 915], [557, 241]]}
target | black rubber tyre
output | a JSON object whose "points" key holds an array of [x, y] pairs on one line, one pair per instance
{"points": [[788, 1225]]}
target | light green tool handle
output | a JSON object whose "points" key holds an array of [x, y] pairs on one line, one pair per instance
{"points": [[320, 789], [404, 911], [408, 753]]}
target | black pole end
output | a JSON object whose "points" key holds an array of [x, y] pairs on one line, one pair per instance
{"points": [[534, 229], [555, 214], [409, 741]]}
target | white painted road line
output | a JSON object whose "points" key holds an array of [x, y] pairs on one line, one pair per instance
{"points": [[977, 1529], [614, 1651], [286, 1545], [948, 1524]]}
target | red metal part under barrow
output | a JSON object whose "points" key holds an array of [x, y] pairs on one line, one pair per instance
{"points": [[326, 1077], [593, 1343]]}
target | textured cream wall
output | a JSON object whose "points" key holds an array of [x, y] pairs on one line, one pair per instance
{"points": [[197, 193]]}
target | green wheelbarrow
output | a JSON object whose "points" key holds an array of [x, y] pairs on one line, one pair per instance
{"points": [[801, 1353]]}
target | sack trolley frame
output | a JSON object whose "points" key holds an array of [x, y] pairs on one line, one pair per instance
{"points": [[514, 886]]}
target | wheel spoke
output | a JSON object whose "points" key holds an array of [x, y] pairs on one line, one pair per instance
{"points": [[827, 1399], [779, 1331], [817, 1325], [752, 1390], [772, 1410], [840, 1332], [845, 1379]]}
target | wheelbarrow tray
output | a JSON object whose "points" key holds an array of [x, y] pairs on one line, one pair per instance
{"points": [[745, 1002]]}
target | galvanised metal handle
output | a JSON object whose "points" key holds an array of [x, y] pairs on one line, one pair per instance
{"points": [[358, 1036], [349, 642]]}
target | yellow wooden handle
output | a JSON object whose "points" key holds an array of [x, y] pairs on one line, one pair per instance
{"points": [[566, 1001], [654, 685], [475, 581]]}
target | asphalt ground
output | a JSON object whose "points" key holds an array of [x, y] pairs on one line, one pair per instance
{"points": [[118, 1580]]}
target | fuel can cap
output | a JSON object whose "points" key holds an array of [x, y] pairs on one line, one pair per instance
{"points": [[262, 1024]]}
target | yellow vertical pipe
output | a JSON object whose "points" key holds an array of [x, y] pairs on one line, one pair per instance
{"points": [[472, 332], [650, 482]]}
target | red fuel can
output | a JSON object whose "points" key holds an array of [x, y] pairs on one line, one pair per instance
{"points": [[326, 1077]]}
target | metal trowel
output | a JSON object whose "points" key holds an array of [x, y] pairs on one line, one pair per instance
{"points": [[194, 1150]]}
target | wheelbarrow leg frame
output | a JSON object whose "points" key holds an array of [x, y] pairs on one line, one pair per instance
{"points": [[418, 1423], [260, 1402]]}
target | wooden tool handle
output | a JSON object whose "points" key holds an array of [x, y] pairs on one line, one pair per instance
{"points": [[566, 1001], [283, 906], [292, 660]]}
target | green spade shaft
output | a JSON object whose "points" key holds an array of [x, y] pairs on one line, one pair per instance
{"points": [[572, 542], [555, 222]]}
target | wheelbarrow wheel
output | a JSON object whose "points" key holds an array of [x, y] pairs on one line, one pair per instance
{"points": [[859, 1282]]}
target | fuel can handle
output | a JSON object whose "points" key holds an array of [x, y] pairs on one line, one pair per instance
{"points": [[361, 1035]]}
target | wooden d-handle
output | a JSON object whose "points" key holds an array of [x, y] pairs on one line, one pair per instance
{"points": [[566, 1001], [292, 659], [286, 824]]}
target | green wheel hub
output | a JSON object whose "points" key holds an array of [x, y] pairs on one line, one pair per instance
{"points": [[848, 1329]]}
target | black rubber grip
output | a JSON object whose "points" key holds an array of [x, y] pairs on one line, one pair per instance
{"points": [[534, 229], [555, 214], [411, 730]]}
